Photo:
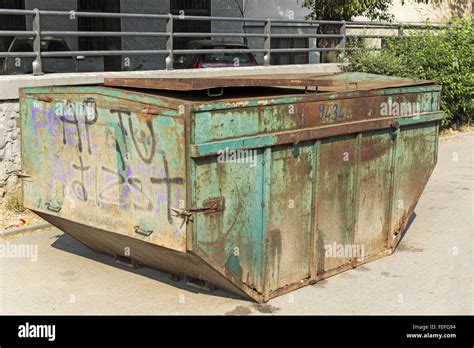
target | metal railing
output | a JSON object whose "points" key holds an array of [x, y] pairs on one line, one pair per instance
{"points": [[169, 52]]}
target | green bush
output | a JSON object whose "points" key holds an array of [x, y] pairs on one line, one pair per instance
{"points": [[443, 55]]}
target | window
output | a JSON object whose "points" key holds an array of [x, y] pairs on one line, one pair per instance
{"points": [[190, 8], [8, 22], [289, 58], [90, 24]]}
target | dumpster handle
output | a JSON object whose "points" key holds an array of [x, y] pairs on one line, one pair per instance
{"points": [[219, 93], [308, 91], [296, 148], [142, 231], [53, 208]]}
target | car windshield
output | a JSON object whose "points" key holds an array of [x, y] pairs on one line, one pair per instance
{"points": [[26, 45], [227, 58]]}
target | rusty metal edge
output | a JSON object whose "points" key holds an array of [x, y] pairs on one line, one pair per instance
{"points": [[235, 103], [332, 272], [306, 134], [25, 229], [247, 290], [257, 80]]}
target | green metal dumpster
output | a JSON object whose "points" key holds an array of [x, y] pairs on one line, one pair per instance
{"points": [[258, 185]]}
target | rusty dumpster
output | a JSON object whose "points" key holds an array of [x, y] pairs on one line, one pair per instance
{"points": [[258, 185]]}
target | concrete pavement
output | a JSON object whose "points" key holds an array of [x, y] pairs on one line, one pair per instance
{"points": [[431, 272]]}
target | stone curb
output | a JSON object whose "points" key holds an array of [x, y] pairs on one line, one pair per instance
{"points": [[25, 229], [449, 137]]}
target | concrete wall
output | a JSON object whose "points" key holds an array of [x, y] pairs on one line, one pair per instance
{"points": [[10, 160]]}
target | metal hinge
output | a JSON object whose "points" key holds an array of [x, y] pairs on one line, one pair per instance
{"points": [[151, 112], [23, 175], [44, 98]]}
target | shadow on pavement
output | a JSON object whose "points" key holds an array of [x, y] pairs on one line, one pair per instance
{"points": [[68, 244]]}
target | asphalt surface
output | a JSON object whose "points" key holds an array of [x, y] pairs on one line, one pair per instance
{"points": [[431, 272]]}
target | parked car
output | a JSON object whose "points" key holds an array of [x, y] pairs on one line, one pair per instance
{"points": [[214, 60], [16, 66]]}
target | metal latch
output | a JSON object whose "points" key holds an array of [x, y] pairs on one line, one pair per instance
{"points": [[211, 206]]}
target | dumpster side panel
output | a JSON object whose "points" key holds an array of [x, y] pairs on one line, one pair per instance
{"points": [[288, 231], [210, 126], [374, 195], [415, 161], [231, 240], [341, 182], [334, 201], [99, 160]]}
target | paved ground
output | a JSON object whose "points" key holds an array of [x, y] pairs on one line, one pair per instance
{"points": [[431, 273]]}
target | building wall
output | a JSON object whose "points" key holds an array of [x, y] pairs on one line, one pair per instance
{"points": [[413, 12], [275, 9], [409, 12], [221, 8], [63, 23], [279, 9], [141, 24], [227, 8]]}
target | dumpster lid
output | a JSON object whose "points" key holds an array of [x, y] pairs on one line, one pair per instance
{"points": [[324, 82]]}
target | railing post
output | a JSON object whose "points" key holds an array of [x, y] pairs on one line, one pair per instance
{"points": [[37, 64], [268, 42], [400, 31], [169, 42], [343, 32]]}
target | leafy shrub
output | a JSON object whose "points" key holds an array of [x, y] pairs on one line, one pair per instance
{"points": [[443, 55]]}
